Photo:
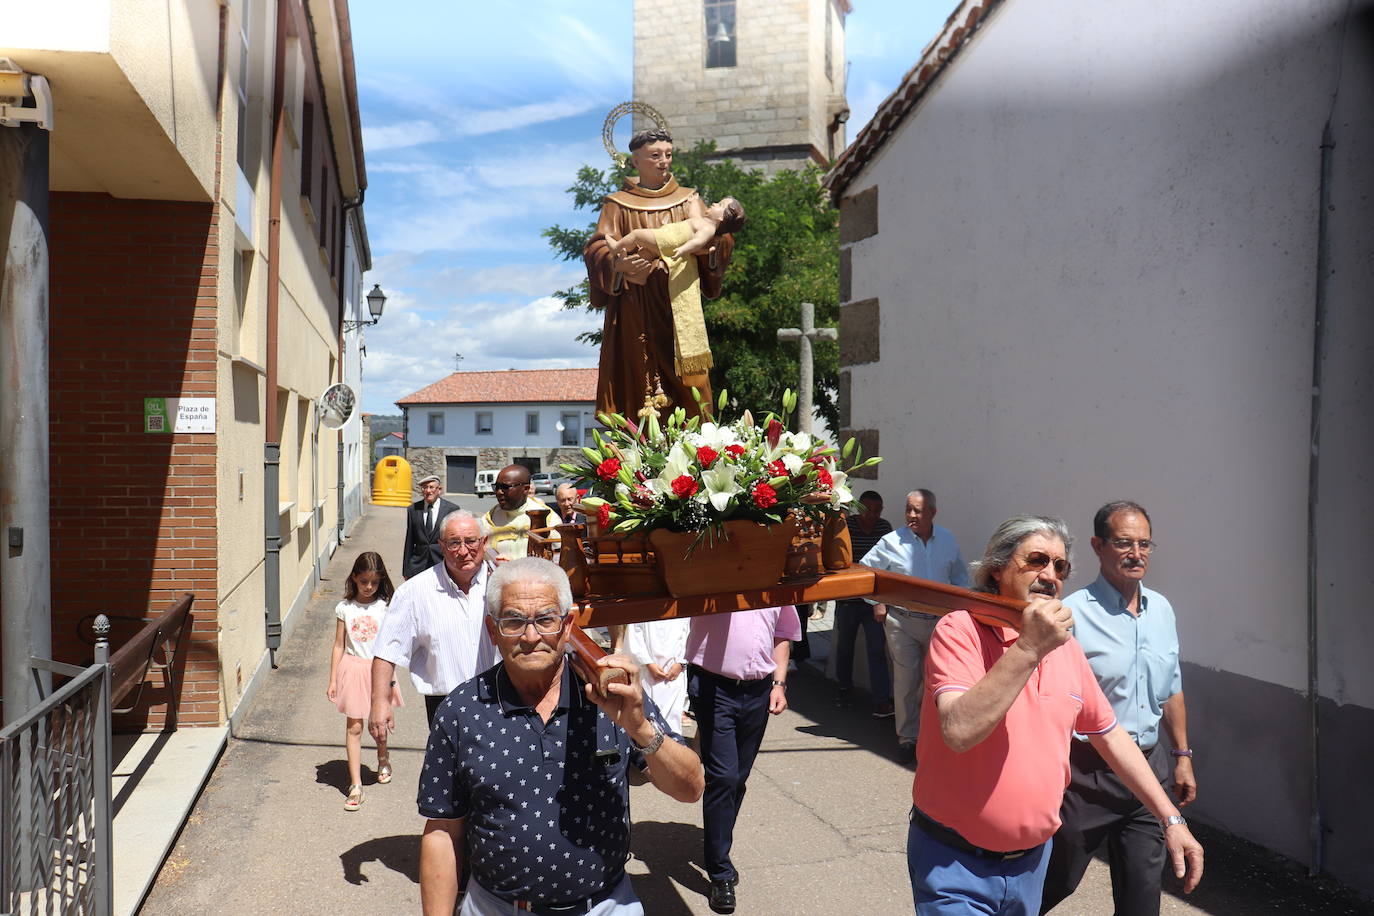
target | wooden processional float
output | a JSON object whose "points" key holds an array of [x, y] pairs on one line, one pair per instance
{"points": [[616, 580]]}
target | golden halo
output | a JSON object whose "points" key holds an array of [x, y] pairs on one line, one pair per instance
{"points": [[618, 112]]}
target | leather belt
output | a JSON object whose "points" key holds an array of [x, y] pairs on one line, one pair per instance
{"points": [[559, 909], [940, 833]]}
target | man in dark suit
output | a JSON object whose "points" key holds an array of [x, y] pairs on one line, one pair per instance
{"points": [[422, 527]]}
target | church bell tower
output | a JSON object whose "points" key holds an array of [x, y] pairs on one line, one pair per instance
{"points": [[764, 80]]}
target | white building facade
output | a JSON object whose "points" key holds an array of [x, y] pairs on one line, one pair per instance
{"points": [[484, 421], [1103, 251]]}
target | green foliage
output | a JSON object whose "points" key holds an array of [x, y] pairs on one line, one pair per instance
{"points": [[786, 254]]}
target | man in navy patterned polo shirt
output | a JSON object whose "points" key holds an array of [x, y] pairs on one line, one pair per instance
{"points": [[526, 767]]}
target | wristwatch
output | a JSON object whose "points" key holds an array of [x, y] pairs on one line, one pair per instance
{"points": [[1173, 820], [654, 744]]}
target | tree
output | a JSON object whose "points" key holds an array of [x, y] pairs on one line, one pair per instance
{"points": [[786, 254]]}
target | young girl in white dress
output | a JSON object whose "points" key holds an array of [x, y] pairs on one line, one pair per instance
{"points": [[360, 616], [660, 648]]}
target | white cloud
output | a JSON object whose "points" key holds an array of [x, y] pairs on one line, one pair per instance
{"points": [[399, 136]]}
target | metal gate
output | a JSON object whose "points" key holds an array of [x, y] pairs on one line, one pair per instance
{"points": [[461, 473], [55, 814]]}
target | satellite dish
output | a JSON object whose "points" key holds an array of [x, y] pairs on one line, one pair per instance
{"points": [[337, 404], [558, 426]]}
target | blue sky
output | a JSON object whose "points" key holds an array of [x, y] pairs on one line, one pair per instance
{"points": [[475, 121]]}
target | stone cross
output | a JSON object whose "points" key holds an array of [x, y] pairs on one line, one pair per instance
{"points": [[805, 335]]}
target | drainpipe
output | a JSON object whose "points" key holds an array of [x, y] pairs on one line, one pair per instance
{"points": [[1314, 826], [271, 490], [348, 207], [25, 561]]}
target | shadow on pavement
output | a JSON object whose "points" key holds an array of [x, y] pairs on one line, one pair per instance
{"points": [[399, 853], [813, 697], [669, 851], [334, 773]]}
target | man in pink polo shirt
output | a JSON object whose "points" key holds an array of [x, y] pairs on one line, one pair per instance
{"points": [[736, 678], [993, 753]]}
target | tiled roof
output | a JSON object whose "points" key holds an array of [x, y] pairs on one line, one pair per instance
{"points": [[511, 386], [962, 23]]}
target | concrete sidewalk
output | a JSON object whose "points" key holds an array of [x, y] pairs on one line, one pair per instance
{"points": [[822, 831]]}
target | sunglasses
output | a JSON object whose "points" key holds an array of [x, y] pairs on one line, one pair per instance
{"points": [[1038, 561], [508, 486]]}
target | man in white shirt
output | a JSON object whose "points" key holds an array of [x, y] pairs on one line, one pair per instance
{"points": [[925, 550], [434, 625]]}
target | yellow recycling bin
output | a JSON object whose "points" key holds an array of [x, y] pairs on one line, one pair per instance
{"points": [[391, 482]]}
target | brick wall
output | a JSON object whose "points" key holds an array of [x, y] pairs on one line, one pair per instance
{"points": [[133, 313]]}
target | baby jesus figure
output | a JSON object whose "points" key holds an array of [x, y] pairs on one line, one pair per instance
{"points": [[675, 243]]}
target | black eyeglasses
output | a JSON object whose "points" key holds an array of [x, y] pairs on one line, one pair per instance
{"points": [[545, 624], [1144, 545], [1038, 561], [507, 486]]}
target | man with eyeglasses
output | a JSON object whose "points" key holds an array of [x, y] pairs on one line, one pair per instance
{"points": [[434, 625], [1130, 638], [1000, 710], [508, 522], [525, 773]]}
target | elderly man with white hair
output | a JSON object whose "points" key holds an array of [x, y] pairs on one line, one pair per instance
{"points": [[525, 774], [434, 625]]}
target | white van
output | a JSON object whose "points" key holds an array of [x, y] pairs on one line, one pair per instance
{"points": [[486, 483]]}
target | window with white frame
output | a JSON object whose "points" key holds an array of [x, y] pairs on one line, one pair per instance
{"points": [[572, 428]]}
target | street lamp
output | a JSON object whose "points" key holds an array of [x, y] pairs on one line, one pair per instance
{"points": [[376, 301]]}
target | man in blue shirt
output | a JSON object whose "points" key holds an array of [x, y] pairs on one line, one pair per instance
{"points": [[1128, 633], [925, 550], [525, 770]]}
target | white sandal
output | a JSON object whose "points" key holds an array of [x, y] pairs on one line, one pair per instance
{"points": [[355, 798]]}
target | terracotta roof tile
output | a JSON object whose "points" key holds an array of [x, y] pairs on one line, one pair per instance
{"points": [[962, 24], [511, 386]]}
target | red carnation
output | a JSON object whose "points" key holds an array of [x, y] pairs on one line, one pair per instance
{"points": [[776, 468], [603, 516], [608, 469], [684, 486], [734, 451], [764, 495], [823, 479], [817, 460], [706, 456], [774, 432]]}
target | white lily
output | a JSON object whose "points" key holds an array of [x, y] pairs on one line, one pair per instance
{"points": [[678, 463], [840, 494], [792, 462], [721, 485]]}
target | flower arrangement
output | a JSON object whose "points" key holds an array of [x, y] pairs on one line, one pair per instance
{"points": [[695, 475]]}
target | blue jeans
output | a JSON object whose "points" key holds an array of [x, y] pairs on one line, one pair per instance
{"points": [[950, 882], [850, 616]]}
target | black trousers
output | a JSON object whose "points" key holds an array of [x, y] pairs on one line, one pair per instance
{"points": [[432, 702], [731, 718], [1097, 809]]}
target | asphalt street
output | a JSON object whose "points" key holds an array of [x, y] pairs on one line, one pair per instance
{"points": [[823, 828]]}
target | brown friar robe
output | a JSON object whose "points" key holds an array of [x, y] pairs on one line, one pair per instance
{"points": [[637, 337]]}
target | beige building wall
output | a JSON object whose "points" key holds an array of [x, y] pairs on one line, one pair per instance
{"points": [[143, 123], [774, 108]]}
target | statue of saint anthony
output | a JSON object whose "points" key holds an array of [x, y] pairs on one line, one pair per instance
{"points": [[640, 346]]}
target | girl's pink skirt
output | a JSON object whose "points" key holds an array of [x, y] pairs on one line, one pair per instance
{"points": [[353, 681]]}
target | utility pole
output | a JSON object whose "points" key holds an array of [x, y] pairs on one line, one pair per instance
{"points": [[807, 333], [25, 561]]}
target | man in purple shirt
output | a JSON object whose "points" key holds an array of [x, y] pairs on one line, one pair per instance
{"points": [[736, 676]]}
